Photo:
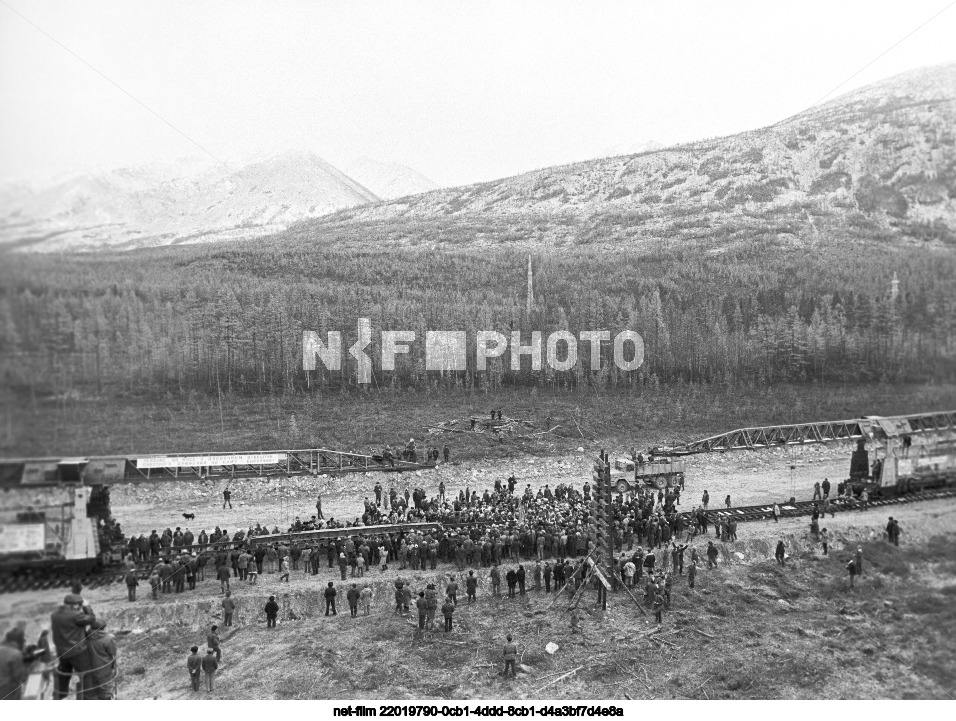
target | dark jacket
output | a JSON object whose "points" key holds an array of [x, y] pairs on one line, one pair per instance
{"points": [[209, 663], [69, 630], [353, 596], [194, 663], [13, 672], [272, 609], [330, 593]]}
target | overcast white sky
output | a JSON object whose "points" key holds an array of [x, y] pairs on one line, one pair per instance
{"points": [[460, 91]]}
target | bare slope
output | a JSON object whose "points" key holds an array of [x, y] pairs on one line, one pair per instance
{"points": [[136, 207], [877, 163]]}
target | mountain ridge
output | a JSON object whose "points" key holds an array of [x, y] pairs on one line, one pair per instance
{"points": [[880, 160]]}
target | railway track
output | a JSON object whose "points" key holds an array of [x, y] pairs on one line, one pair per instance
{"points": [[762, 512]]}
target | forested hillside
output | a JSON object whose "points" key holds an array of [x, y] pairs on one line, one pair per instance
{"points": [[758, 259], [230, 318]]}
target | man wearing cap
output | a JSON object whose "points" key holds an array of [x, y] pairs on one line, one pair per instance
{"points": [[510, 653], [448, 610], [330, 594], [272, 612], [98, 683], [212, 642], [194, 666], [68, 624], [209, 666], [353, 595]]}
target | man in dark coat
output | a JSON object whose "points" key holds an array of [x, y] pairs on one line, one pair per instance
{"points": [[353, 595], [209, 666], [330, 594], [447, 610], [98, 683], [422, 605], [68, 624], [512, 578], [272, 612], [194, 666], [13, 670]]}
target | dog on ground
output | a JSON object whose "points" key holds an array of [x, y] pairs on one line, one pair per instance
{"points": [[189, 516]]}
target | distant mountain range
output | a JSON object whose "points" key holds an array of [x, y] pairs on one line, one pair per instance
{"points": [[388, 180], [189, 201], [876, 164]]}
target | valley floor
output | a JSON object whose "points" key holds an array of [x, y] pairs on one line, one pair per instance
{"points": [[750, 629]]}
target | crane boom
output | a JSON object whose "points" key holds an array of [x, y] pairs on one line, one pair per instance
{"points": [[875, 428]]}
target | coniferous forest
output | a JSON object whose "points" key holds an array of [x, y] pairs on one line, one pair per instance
{"points": [[220, 318]]}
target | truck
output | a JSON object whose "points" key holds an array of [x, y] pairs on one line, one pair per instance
{"points": [[627, 475]]}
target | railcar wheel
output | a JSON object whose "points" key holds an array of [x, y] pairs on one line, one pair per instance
{"points": [[621, 486]]}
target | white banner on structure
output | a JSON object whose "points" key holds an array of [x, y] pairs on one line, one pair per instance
{"points": [[242, 459], [16, 538]]}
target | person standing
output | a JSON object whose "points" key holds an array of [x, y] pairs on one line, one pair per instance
{"points": [[223, 574], [228, 608], [318, 509], [98, 683], [352, 596], [194, 666], [692, 573], [705, 499], [365, 598], [817, 493], [510, 653], [851, 569], [131, 583], [471, 587], [780, 553], [68, 626], [629, 570], [446, 451], [431, 599], [422, 605], [825, 540], [13, 671], [213, 643], [776, 513], [727, 501], [712, 554], [330, 594], [284, 570], [209, 667], [272, 612], [859, 561], [520, 575], [447, 610], [226, 498], [495, 580]]}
